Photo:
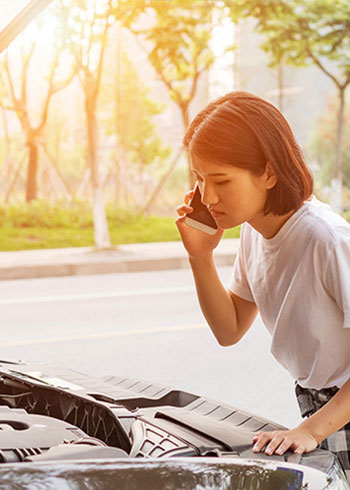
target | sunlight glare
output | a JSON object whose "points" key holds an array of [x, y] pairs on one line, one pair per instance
{"points": [[43, 31]]}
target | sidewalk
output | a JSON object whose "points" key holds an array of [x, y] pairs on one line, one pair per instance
{"points": [[86, 261]]}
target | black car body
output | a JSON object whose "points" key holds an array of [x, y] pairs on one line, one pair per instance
{"points": [[62, 429]]}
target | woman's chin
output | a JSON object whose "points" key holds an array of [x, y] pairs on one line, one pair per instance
{"points": [[225, 223]]}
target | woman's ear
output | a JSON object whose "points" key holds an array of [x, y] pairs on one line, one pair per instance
{"points": [[270, 176]]}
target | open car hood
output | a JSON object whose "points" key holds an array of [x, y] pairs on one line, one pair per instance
{"points": [[30, 11]]}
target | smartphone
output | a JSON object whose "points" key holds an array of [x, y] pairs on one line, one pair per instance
{"points": [[200, 218]]}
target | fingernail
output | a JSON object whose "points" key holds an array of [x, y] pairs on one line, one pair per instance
{"points": [[256, 448]]}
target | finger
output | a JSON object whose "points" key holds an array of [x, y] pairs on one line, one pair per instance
{"points": [[184, 209], [262, 441], [299, 450], [284, 446], [274, 444], [179, 220], [188, 196]]}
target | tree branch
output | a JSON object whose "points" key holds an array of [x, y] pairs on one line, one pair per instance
{"points": [[91, 25], [52, 90], [64, 83], [102, 52], [26, 58], [346, 83], [321, 66], [49, 94], [9, 79], [8, 107], [194, 83]]}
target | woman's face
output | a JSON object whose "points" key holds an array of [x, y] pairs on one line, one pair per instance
{"points": [[233, 195]]}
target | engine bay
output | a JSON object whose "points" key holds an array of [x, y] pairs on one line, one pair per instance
{"points": [[54, 414]]}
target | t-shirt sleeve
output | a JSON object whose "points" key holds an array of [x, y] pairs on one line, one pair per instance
{"points": [[239, 284], [338, 276]]}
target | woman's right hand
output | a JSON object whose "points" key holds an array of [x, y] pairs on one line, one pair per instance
{"points": [[197, 243]]}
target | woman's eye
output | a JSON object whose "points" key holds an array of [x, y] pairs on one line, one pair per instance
{"points": [[222, 182]]}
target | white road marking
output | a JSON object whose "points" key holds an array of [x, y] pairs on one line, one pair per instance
{"points": [[83, 296], [120, 333]]}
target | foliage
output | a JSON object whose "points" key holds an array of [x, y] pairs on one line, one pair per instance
{"points": [[16, 69], [42, 214], [179, 44], [346, 215], [178, 47], [301, 32], [39, 225], [323, 141], [133, 115], [87, 23], [307, 32]]}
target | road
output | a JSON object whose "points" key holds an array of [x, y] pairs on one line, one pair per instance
{"points": [[144, 325]]}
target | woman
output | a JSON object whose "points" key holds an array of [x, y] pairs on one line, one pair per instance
{"points": [[293, 264]]}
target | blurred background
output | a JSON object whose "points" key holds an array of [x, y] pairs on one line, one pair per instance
{"points": [[95, 96]]}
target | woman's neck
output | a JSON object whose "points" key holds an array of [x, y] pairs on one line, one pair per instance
{"points": [[268, 226]]}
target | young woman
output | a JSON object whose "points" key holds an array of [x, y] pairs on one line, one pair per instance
{"points": [[293, 264]]}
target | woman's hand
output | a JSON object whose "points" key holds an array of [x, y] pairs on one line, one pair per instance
{"points": [[197, 243], [298, 440]]}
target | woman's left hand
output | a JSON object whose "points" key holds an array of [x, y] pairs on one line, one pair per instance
{"points": [[280, 441]]}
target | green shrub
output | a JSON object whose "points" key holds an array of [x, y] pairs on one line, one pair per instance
{"points": [[346, 215], [43, 225], [41, 214]]}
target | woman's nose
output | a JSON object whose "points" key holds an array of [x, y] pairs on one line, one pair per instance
{"points": [[209, 197]]}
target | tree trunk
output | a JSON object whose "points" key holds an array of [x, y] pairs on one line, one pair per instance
{"points": [[186, 123], [31, 185], [337, 178], [101, 232]]}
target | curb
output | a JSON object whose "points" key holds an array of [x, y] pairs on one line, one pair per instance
{"points": [[87, 261]]}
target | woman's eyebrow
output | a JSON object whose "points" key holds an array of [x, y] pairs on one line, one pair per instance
{"points": [[217, 174]]}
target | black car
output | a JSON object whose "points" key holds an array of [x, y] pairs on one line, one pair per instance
{"points": [[64, 430]]}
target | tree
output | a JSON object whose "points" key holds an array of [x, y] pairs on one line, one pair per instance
{"points": [[322, 142], [86, 25], [132, 118], [179, 41], [14, 97], [307, 32]]}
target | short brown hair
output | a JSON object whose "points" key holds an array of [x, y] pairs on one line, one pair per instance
{"points": [[247, 131]]}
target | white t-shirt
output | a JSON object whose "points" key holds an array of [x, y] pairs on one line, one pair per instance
{"points": [[300, 283]]}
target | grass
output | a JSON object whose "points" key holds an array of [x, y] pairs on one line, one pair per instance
{"points": [[39, 226]]}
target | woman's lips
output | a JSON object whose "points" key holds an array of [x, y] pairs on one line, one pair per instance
{"points": [[216, 214]]}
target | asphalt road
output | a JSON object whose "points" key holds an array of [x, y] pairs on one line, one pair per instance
{"points": [[144, 325]]}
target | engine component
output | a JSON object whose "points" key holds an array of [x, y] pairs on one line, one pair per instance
{"points": [[24, 435]]}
